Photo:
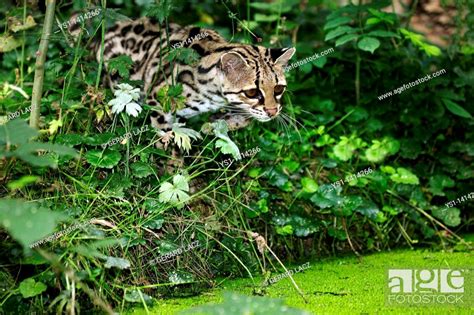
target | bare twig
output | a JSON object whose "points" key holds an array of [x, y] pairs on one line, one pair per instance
{"points": [[39, 65]]}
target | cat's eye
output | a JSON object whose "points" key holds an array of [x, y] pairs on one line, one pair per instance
{"points": [[252, 93], [279, 89]]}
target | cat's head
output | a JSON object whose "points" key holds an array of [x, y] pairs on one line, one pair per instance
{"points": [[253, 80]]}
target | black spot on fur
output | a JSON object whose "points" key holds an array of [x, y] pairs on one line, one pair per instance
{"points": [[154, 114], [125, 30], [148, 44], [161, 120], [150, 33], [114, 28], [194, 31], [185, 76], [138, 29], [199, 50]]}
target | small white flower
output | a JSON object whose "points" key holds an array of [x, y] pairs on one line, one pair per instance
{"points": [[124, 97]]}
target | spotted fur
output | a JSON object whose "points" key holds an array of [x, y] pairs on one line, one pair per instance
{"points": [[244, 81]]}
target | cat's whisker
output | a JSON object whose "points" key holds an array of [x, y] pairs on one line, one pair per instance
{"points": [[291, 122], [283, 124]]}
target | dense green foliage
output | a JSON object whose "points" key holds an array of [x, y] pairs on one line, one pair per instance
{"points": [[342, 171]]}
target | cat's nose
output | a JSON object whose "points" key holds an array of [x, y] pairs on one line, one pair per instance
{"points": [[271, 111]]}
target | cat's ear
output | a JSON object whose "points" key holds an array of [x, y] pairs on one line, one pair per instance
{"points": [[281, 56], [232, 62]]}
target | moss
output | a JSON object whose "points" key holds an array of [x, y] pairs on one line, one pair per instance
{"points": [[345, 285]]}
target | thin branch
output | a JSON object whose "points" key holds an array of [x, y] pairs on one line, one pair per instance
{"points": [[39, 65]]}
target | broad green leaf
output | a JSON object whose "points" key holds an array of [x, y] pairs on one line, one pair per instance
{"points": [[136, 296], [368, 44], [337, 21], [16, 132], [382, 33], [450, 216], [404, 176], [22, 182], [346, 38], [69, 139], [327, 197], [285, 230], [227, 146], [29, 288], [438, 183], [456, 109], [346, 147], [339, 31], [141, 169], [178, 277], [26, 222], [29, 152], [266, 18], [379, 150], [309, 185], [122, 64], [8, 42], [176, 193], [16, 25], [115, 262], [103, 159], [373, 21]]}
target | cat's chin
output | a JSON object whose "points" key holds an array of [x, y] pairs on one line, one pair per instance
{"points": [[264, 119]]}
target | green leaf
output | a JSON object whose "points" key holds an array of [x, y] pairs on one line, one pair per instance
{"points": [[438, 183], [285, 230], [339, 31], [346, 147], [136, 296], [227, 146], [382, 33], [141, 169], [309, 185], [379, 150], [103, 159], [16, 132], [176, 193], [8, 43], [417, 40], [116, 262], [456, 109], [368, 44], [450, 216], [346, 38], [29, 288], [336, 22], [28, 152], [22, 182], [160, 11], [26, 222], [122, 64], [266, 18], [178, 277], [373, 21], [327, 197], [404, 176]]}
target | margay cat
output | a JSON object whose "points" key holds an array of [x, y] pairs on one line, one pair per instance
{"points": [[248, 80]]}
